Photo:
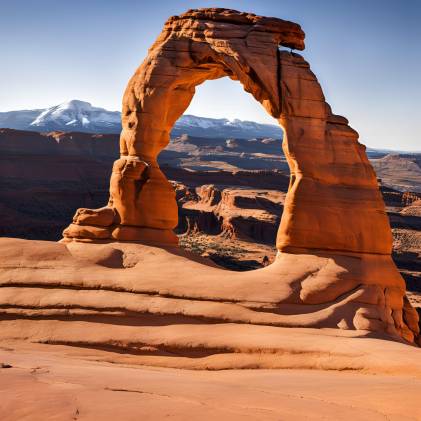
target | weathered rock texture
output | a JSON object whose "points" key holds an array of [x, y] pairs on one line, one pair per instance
{"points": [[194, 47], [333, 202], [237, 213], [333, 269], [165, 307]]}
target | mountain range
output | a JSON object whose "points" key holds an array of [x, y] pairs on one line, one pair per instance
{"points": [[81, 116]]}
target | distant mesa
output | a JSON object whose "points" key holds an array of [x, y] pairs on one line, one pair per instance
{"points": [[401, 171]]}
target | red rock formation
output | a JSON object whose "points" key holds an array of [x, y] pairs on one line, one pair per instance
{"points": [[333, 202], [333, 269], [409, 199], [249, 214], [193, 47]]}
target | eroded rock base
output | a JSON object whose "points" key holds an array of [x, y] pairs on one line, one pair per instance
{"points": [[124, 233], [136, 298]]}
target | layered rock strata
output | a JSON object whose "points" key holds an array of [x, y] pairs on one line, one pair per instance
{"points": [[165, 307], [236, 213]]}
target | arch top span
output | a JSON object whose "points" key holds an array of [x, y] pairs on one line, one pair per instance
{"points": [[286, 33], [196, 46]]}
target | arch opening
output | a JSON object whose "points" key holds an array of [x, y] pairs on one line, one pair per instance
{"points": [[230, 181]]}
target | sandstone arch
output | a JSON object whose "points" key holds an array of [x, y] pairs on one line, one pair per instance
{"points": [[323, 152], [334, 239], [192, 48]]}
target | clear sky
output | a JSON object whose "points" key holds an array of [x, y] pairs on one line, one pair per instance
{"points": [[366, 54]]}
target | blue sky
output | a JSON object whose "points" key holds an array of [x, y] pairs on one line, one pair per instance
{"points": [[366, 54]]}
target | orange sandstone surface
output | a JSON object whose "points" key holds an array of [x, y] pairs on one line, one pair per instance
{"points": [[117, 289]]}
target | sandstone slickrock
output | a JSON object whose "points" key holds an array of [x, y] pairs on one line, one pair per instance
{"points": [[68, 383], [333, 269]]}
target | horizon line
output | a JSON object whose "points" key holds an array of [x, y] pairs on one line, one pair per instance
{"points": [[387, 149]]}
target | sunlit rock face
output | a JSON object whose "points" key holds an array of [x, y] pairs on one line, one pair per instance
{"points": [[333, 269], [194, 47]]}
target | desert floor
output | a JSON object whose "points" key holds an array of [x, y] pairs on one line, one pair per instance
{"points": [[63, 383]]}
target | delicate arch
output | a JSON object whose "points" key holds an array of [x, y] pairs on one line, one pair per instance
{"points": [[334, 267], [333, 202]]}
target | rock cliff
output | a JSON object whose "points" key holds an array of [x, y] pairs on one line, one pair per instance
{"points": [[247, 214]]}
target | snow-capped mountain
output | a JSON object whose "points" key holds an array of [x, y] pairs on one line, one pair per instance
{"points": [[81, 116], [74, 115], [20, 120], [222, 127], [77, 116]]}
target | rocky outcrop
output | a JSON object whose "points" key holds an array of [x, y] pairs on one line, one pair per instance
{"points": [[333, 268], [410, 200], [238, 213], [164, 307], [330, 174]]}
